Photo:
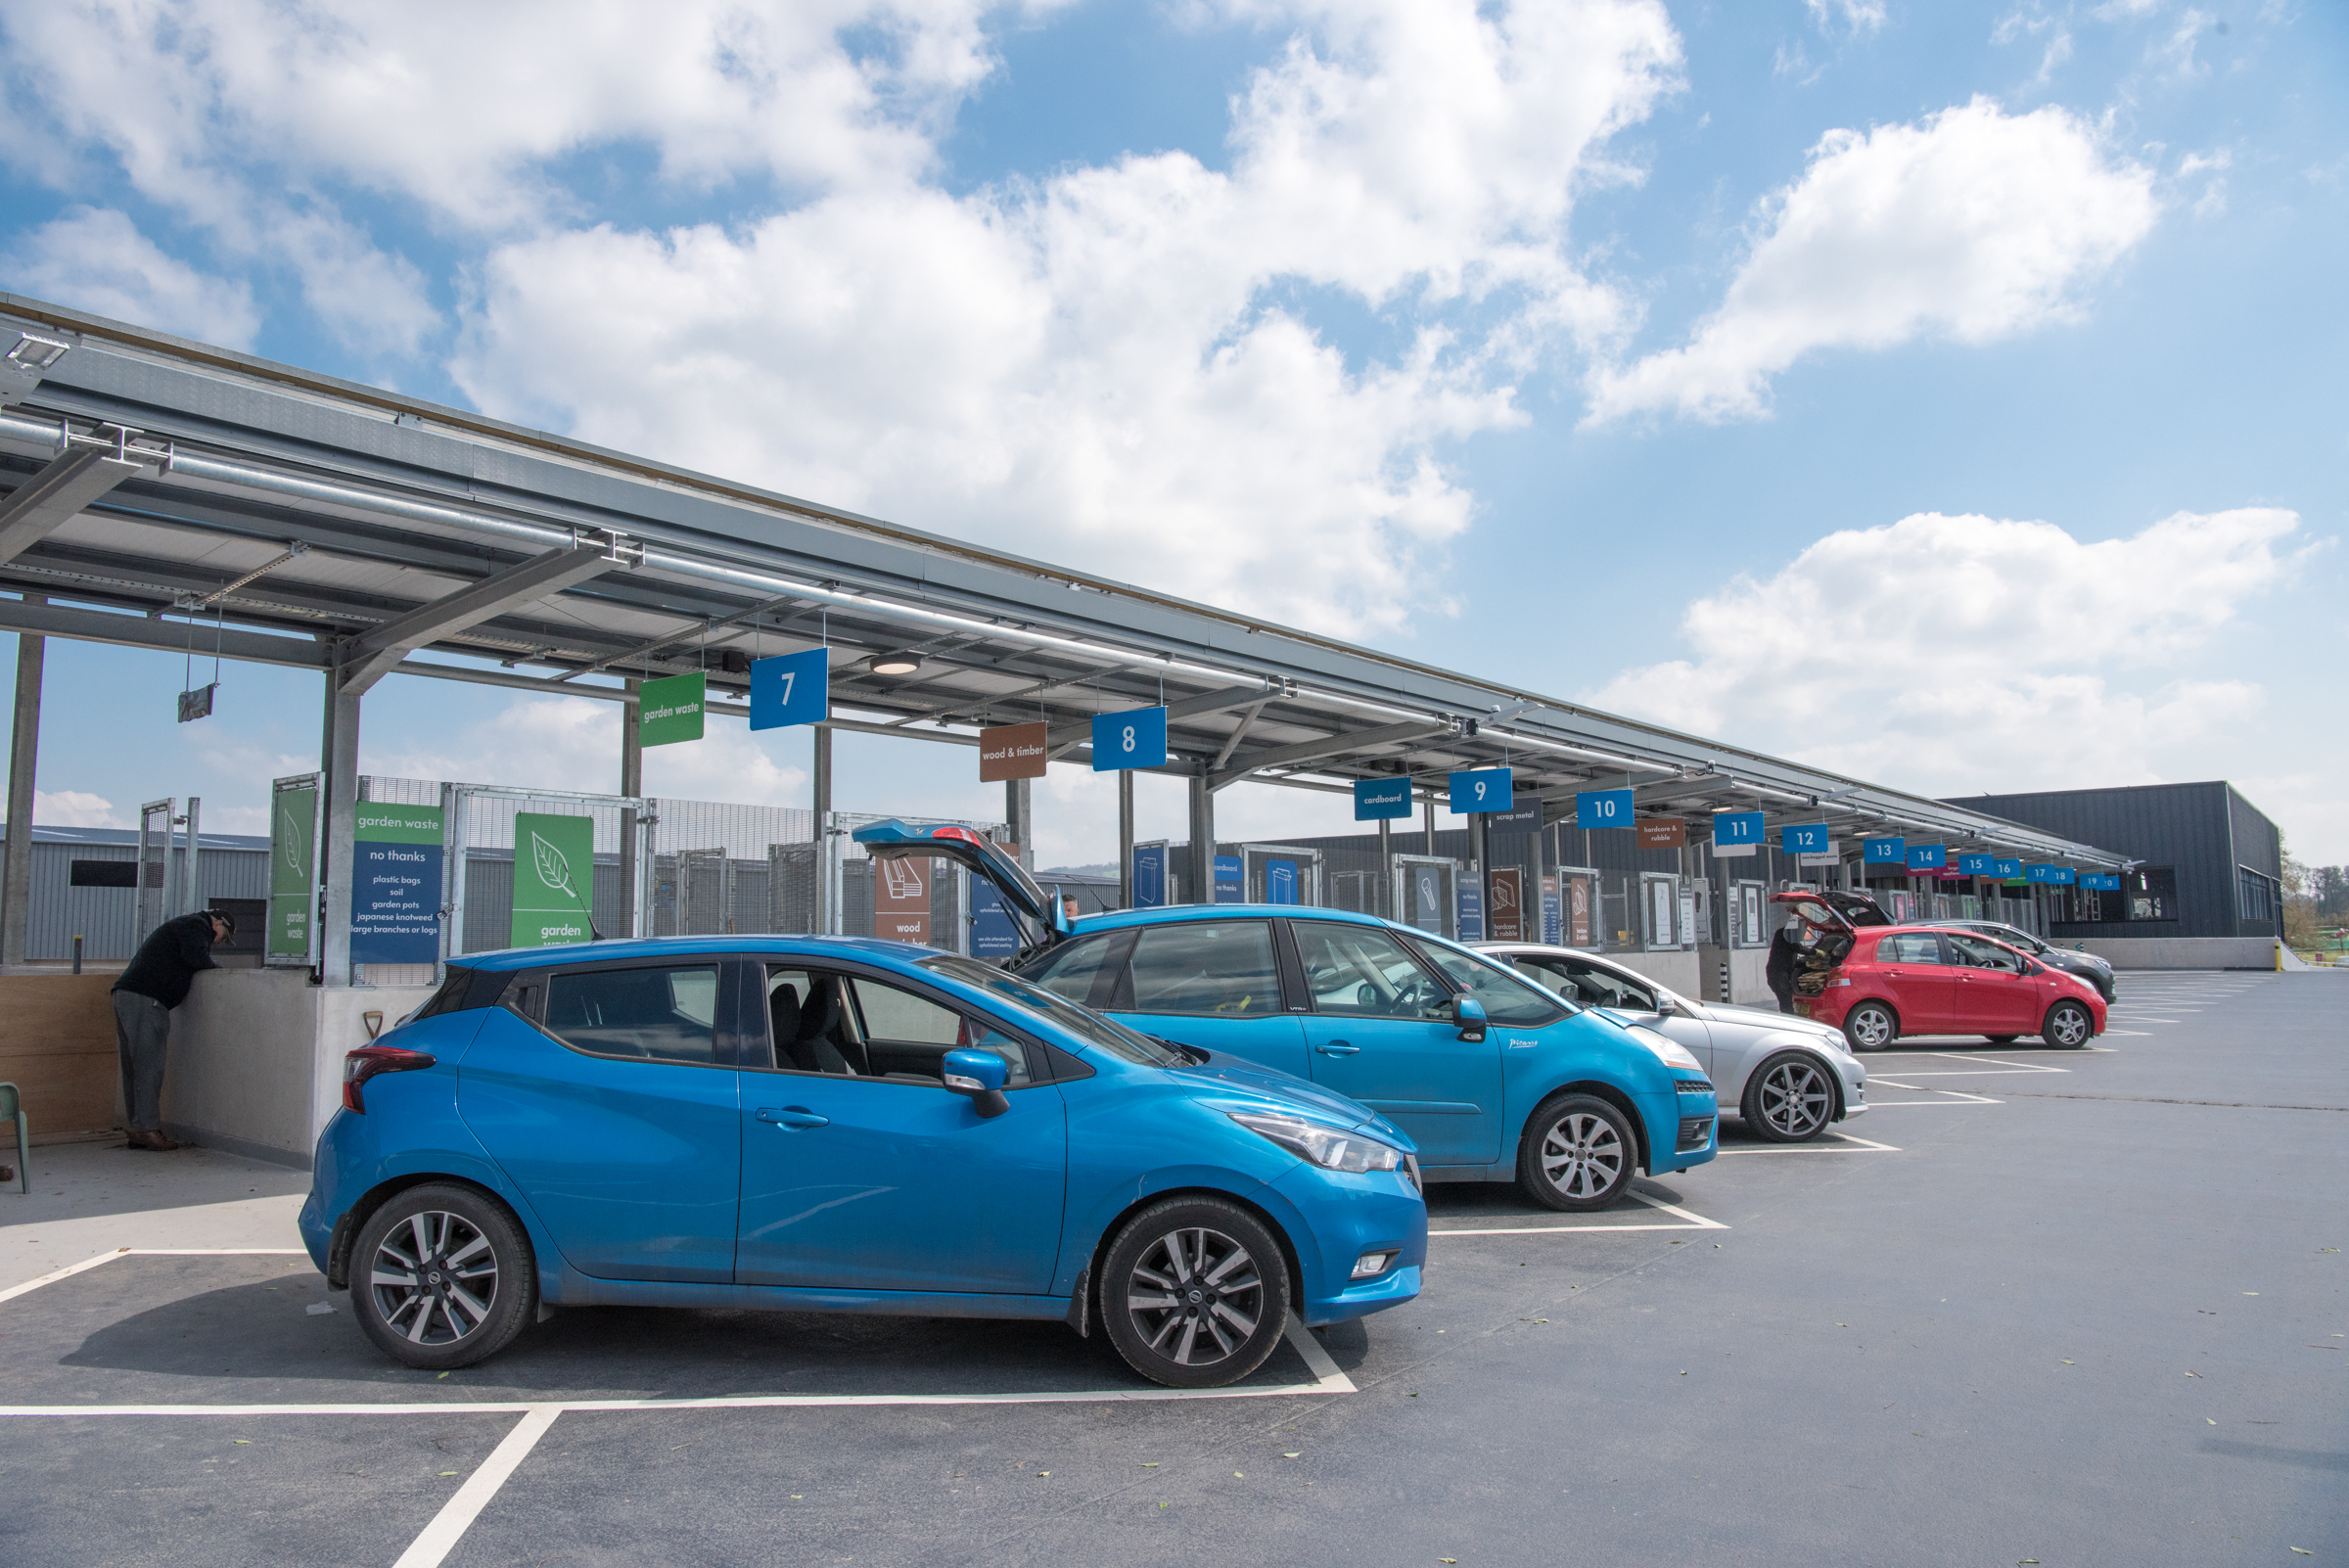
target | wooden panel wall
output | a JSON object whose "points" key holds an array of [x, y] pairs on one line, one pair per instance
{"points": [[57, 1045]]}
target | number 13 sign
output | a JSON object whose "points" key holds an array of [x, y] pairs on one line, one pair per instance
{"points": [[1136, 738]]}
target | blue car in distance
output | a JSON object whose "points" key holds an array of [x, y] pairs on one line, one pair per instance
{"points": [[1493, 1076], [820, 1123]]}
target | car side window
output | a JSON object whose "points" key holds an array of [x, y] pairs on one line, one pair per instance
{"points": [[1070, 969], [1603, 987], [907, 1035], [1909, 947], [1976, 953], [1506, 998], [1223, 968], [1364, 972], [666, 1014]]}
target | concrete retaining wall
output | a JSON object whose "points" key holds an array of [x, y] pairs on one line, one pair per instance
{"points": [[257, 1058], [2181, 953]]}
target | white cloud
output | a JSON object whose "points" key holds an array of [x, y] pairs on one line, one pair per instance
{"points": [[1956, 654], [1858, 16], [98, 261], [76, 808], [1974, 225]]}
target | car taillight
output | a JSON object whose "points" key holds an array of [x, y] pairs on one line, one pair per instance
{"points": [[368, 1060]]}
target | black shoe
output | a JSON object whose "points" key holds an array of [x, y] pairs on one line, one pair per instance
{"points": [[156, 1141]]}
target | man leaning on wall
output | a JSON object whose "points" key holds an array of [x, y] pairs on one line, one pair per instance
{"points": [[157, 981]]}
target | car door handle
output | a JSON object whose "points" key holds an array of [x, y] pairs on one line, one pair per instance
{"points": [[792, 1116], [1338, 1047]]}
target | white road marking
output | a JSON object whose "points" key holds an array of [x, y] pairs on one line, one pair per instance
{"points": [[67, 1272], [1696, 1222], [456, 1515], [1844, 1143]]}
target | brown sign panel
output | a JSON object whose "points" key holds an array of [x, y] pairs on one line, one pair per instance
{"points": [[1577, 912], [1011, 751], [1505, 887], [902, 899], [1663, 832]]}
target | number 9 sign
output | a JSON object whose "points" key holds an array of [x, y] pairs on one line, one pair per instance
{"points": [[1136, 738], [1479, 789]]}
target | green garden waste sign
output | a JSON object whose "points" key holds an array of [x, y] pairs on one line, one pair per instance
{"points": [[671, 710], [293, 868], [554, 879]]}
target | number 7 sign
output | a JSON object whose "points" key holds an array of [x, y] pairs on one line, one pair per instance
{"points": [[791, 689]]}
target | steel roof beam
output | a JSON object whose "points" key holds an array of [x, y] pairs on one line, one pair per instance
{"points": [[376, 654], [63, 487], [1360, 740]]}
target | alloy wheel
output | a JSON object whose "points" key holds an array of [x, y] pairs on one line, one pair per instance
{"points": [[1581, 1155], [434, 1277], [1795, 1099], [2068, 1027], [1870, 1029], [1195, 1296]]}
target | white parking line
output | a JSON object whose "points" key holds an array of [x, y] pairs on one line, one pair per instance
{"points": [[67, 1272], [1844, 1143], [456, 1515], [1696, 1221]]}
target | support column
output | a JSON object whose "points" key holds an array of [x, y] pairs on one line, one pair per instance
{"points": [[16, 898], [1126, 839], [1202, 840], [1386, 870], [820, 798], [631, 785], [339, 761], [1019, 818], [1430, 804]]}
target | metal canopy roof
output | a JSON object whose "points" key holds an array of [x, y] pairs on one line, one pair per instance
{"points": [[164, 492]]}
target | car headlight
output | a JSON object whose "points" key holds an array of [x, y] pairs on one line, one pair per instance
{"points": [[1329, 1147], [1671, 1052]]}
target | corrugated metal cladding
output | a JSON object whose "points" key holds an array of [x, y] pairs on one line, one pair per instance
{"points": [[105, 917], [2206, 834]]}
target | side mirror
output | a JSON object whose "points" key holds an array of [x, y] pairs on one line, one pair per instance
{"points": [[1469, 1015], [979, 1077]]}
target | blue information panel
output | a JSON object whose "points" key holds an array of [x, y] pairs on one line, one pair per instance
{"points": [[1554, 927], [992, 934], [791, 689], [1149, 876], [1280, 881], [1482, 789], [1604, 809], [1884, 851], [1928, 857], [2101, 881], [1136, 738], [1730, 828], [1230, 884], [2007, 869], [1978, 865], [1803, 838], [395, 902], [1471, 912], [1377, 798], [2057, 876]]}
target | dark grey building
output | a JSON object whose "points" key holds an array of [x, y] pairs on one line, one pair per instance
{"points": [[2210, 862]]}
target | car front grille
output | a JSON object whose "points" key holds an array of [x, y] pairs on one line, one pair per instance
{"points": [[1696, 1133]]}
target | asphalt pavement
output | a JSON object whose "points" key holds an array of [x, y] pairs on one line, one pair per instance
{"points": [[2038, 1306]]}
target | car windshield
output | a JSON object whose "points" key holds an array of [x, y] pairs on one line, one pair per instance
{"points": [[1082, 1022]]}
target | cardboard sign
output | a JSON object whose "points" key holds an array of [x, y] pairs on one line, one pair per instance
{"points": [[1150, 876], [901, 898], [1663, 833], [1229, 885], [1507, 884], [1011, 751], [1375, 799]]}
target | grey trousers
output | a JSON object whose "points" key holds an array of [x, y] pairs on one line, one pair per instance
{"points": [[142, 1026]]}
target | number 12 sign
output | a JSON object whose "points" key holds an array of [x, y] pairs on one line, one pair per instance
{"points": [[1136, 738], [1803, 838], [1482, 789]]}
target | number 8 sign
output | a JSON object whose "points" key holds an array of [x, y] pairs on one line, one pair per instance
{"points": [[1136, 738]]}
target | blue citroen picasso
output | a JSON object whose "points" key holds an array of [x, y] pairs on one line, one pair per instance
{"points": [[1493, 1076], [841, 1125]]}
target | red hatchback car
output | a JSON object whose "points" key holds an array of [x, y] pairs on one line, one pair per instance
{"points": [[1876, 981]]}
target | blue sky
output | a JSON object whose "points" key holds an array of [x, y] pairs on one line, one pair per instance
{"points": [[1947, 394]]}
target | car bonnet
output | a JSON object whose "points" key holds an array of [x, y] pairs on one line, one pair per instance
{"points": [[1293, 1094]]}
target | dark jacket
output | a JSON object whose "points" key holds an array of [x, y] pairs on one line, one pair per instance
{"points": [[167, 960], [1778, 970]]}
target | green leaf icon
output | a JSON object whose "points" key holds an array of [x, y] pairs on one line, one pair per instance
{"points": [[291, 830], [553, 869]]}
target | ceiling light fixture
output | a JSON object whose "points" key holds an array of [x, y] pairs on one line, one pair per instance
{"points": [[895, 664]]}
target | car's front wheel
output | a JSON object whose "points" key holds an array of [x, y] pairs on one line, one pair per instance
{"points": [[1578, 1154], [442, 1276], [1788, 1099], [2068, 1026], [1194, 1293], [1871, 1026]]}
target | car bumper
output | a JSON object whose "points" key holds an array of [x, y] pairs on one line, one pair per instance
{"points": [[1340, 1218]]}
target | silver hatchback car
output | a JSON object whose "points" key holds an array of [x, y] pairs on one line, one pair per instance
{"points": [[1787, 1078]]}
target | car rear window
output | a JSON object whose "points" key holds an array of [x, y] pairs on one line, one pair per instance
{"points": [[1223, 968]]}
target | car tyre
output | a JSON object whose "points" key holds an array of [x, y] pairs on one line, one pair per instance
{"points": [[1788, 1099], [1872, 1026], [1194, 1293], [2068, 1026], [1578, 1154], [442, 1276]]}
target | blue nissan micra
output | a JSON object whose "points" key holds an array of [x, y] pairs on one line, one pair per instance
{"points": [[1491, 1077], [838, 1124]]}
